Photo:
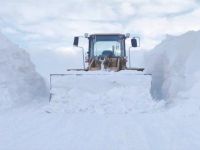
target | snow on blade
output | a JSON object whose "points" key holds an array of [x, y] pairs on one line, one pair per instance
{"points": [[101, 92]]}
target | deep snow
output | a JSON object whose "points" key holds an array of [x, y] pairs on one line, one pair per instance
{"points": [[175, 65], [19, 82], [171, 124]]}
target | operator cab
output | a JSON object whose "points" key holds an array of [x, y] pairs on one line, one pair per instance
{"points": [[106, 45], [107, 52]]}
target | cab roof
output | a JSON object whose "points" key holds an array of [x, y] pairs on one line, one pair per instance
{"points": [[107, 34]]}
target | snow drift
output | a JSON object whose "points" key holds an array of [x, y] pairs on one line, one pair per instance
{"points": [[175, 65], [19, 82]]}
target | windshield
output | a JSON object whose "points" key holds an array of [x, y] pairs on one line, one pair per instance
{"points": [[107, 45]]}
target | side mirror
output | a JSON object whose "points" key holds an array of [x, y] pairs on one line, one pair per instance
{"points": [[76, 39], [134, 42]]}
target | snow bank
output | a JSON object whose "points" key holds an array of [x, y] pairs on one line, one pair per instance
{"points": [[175, 65], [19, 82]]}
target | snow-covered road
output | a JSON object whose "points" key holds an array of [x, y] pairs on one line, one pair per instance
{"points": [[34, 129]]}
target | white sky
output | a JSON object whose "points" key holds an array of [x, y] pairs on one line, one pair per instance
{"points": [[45, 28]]}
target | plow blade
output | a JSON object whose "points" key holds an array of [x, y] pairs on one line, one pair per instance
{"points": [[100, 92]]}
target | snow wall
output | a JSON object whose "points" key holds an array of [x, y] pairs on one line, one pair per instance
{"points": [[19, 82], [175, 67]]}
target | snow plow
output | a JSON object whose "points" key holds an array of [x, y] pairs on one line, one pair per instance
{"points": [[106, 84]]}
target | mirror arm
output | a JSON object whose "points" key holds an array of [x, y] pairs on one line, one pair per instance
{"points": [[129, 56], [83, 52], [129, 53], [83, 55]]}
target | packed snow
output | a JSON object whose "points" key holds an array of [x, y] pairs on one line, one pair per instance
{"points": [[164, 116]]}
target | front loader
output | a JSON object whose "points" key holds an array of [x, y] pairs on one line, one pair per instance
{"points": [[105, 78]]}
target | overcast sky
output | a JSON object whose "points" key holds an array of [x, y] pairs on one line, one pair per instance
{"points": [[45, 28]]}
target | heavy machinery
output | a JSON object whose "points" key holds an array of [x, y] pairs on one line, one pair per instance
{"points": [[107, 52], [106, 83]]}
